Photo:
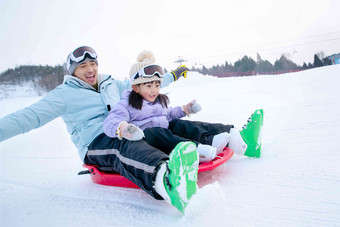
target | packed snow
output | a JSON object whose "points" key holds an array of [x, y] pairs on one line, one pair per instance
{"points": [[296, 182]]}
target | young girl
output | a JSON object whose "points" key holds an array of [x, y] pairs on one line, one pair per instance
{"points": [[143, 111]]}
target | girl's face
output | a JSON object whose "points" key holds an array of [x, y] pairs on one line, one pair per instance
{"points": [[149, 91]]}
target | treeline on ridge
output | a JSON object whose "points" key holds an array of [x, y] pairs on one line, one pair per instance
{"points": [[247, 66], [46, 78]]}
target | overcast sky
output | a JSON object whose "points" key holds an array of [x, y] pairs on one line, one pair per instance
{"points": [[202, 32]]}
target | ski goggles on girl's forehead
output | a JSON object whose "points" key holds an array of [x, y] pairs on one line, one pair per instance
{"points": [[150, 71], [80, 54]]}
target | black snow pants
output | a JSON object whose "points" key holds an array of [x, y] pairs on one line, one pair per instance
{"points": [[183, 130], [137, 160]]}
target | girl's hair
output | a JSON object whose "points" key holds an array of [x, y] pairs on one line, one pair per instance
{"points": [[136, 100]]}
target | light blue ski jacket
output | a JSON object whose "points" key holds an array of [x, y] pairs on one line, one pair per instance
{"points": [[82, 108]]}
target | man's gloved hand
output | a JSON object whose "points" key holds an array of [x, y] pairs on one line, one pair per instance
{"points": [[191, 108], [180, 71], [129, 131]]}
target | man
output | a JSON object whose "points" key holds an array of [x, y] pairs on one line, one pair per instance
{"points": [[83, 101]]}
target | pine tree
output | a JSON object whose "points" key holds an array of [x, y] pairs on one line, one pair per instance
{"points": [[246, 64], [284, 64], [317, 61]]}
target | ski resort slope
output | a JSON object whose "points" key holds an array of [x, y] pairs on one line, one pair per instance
{"points": [[296, 182]]}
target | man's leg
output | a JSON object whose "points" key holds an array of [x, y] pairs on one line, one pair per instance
{"points": [[202, 132], [163, 139], [135, 160], [141, 163]]}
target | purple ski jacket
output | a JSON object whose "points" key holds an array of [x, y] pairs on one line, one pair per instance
{"points": [[151, 115]]}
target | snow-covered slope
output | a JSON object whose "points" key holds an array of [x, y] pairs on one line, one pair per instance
{"points": [[296, 182], [11, 91]]}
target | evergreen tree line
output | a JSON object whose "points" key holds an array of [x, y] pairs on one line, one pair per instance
{"points": [[46, 78], [248, 66]]}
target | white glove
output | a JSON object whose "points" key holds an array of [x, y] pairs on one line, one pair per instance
{"points": [[129, 131], [191, 108]]}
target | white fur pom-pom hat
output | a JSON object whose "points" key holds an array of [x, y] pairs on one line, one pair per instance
{"points": [[145, 58]]}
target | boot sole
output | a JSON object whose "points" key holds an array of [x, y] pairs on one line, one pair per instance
{"points": [[183, 166]]}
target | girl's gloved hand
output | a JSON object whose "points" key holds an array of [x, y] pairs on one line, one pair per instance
{"points": [[129, 131], [191, 108]]}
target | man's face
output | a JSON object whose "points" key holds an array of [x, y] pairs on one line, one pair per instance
{"points": [[87, 72]]}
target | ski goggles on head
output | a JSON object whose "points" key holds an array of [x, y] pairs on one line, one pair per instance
{"points": [[79, 55], [150, 71]]}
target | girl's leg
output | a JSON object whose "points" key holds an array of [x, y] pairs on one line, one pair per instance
{"points": [[135, 160]]}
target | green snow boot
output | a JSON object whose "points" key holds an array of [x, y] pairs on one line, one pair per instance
{"points": [[248, 140], [176, 181]]}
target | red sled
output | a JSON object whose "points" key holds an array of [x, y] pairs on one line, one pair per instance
{"points": [[106, 176]]}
